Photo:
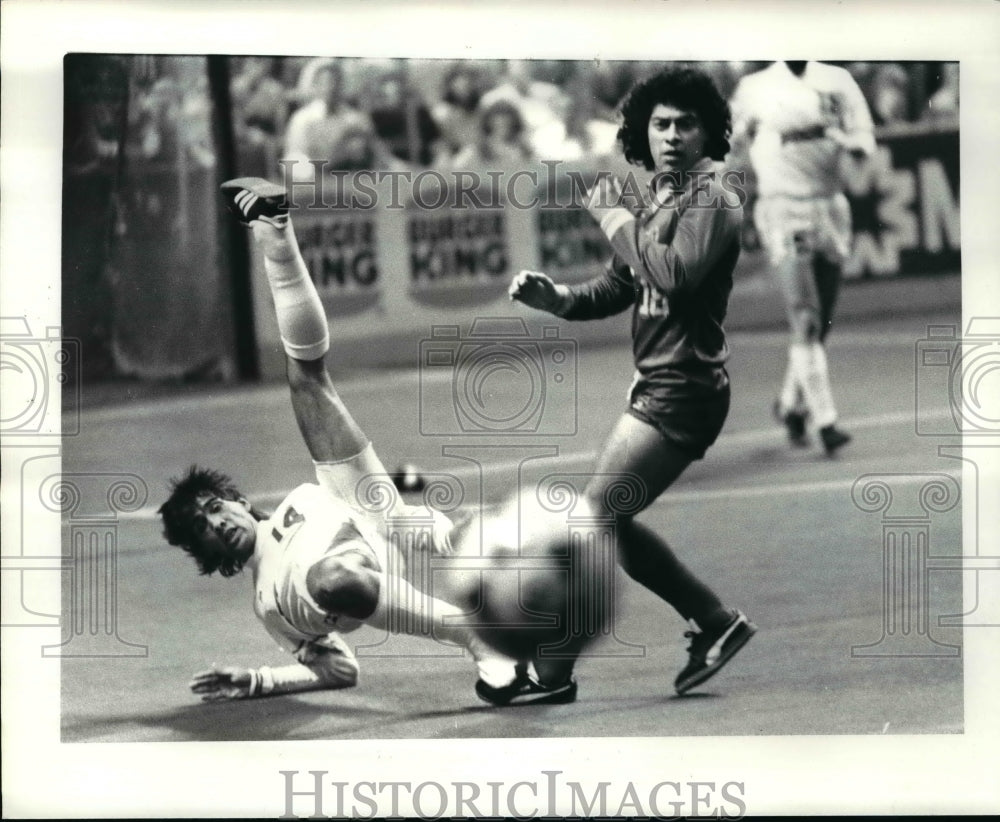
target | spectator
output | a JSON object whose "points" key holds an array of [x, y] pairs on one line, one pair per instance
{"points": [[539, 103], [502, 140], [260, 109], [890, 94], [403, 122], [327, 128], [170, 115], [943, 103], [456, 114]]}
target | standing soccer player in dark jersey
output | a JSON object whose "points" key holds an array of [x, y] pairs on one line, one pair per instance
{"points": [[673, 265]]}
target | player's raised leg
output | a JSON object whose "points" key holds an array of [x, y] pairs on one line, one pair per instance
{"points": [[343, 584], [330, 432]]}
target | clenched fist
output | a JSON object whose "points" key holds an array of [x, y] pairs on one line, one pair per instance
{"points": [[535, 289]]}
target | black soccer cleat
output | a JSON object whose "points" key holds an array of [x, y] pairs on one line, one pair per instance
{"points": [[253, 198], [833, 439], [795, 424], [710, 650], [525, 690]]}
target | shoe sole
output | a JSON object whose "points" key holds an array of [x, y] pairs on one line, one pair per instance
{"points": [[708, 673], [256, 185], [564, 697]]}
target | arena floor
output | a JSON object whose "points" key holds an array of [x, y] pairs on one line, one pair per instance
{"points": [[774, 530]]}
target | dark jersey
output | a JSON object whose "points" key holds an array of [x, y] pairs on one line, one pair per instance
{"points": [[674, 265]]}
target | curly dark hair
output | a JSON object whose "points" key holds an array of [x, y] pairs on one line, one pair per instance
{"points": [[686, 88], [179, 516]]}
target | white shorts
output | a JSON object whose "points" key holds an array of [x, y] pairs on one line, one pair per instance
{"points": [[787, 225], [356, 479], [363, 483]]}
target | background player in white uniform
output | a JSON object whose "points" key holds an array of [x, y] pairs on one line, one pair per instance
{"points": [[321, 565], [798, 118]]}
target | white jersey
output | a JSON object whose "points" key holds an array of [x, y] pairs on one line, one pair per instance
{"points": [[315, 522], [786, 118]]}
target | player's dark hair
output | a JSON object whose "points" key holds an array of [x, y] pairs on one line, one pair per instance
{"points": [[181, 510], [687, 88]]}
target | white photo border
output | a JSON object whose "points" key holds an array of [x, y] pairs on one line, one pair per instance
{"points": [[812, 774]]}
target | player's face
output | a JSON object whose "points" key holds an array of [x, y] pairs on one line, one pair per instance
{"points": [[226, 526], [676, 138]]}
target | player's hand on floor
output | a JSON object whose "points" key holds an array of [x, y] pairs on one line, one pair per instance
{"points": [[535, 289], [222, 682]]}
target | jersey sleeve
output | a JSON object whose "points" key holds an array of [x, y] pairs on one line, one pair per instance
{"points": [[856, 116], [606, 295], [322, 663], [679, 262]]}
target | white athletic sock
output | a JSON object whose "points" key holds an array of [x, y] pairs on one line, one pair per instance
{"points": [[301, 318], [809, 363], [788, 400], [403, 609]]}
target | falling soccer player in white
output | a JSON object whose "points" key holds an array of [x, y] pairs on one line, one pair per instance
{"points": [[321, 564], [798, 118]]}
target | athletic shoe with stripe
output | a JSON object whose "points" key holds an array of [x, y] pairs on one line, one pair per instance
{"points": [[710, 650], [526, 690], [253, 198]]}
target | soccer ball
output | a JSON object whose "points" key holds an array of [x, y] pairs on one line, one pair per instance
{"points": [[541, 588]]}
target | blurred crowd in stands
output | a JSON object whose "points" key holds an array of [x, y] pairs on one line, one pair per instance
{"points": [[144, 136], [364, 113]]}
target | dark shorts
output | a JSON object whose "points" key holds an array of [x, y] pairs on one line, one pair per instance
{"points": [[688, 417]]}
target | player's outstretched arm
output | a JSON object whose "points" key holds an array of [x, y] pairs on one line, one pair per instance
{"points": [[537, 290], [324, 664]]}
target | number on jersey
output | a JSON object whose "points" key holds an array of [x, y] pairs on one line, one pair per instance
{"points": [[292, 517], [653, 303]]}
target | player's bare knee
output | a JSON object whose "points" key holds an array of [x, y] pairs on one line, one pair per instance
{"points": [[342, 586]]}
